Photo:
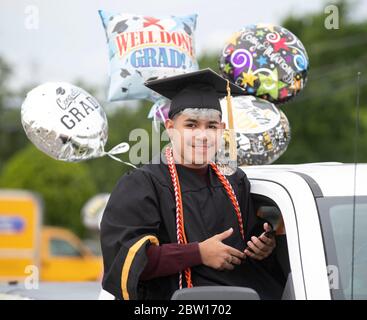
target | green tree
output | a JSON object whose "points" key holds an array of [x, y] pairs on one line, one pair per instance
{"points": [[64, 187], [12, 137], [5, 74], [322, 117]]}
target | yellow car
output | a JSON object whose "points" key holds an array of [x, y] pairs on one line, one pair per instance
{"points": [[65, 258], [28, 249]]}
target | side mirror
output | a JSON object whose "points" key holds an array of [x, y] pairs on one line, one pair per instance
{"points": [[271, 214], [215, 293]]}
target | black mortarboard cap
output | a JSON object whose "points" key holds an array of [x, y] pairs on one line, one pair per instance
{"points": [[199, 89]]}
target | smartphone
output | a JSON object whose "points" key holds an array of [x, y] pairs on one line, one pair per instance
{"points": [[269, 234]]}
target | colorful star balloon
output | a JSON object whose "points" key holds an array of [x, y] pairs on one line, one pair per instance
{"points": [[267, 61]]}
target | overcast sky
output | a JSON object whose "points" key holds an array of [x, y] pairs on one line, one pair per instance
{"points": [[69, 42]]}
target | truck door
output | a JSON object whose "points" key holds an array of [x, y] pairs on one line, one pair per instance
{"points": [[268, 193]]}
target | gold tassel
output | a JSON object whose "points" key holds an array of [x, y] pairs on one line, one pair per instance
{"points": [[232, 137]]}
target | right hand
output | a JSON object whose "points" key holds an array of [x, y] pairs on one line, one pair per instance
{"points": [[215, 254]]}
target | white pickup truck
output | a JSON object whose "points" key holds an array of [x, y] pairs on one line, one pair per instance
{"points": [[324, 209]]}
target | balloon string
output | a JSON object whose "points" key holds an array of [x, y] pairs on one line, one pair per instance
{"points": [[161, 113], [157, 107], [119, 160], [155, 117]]}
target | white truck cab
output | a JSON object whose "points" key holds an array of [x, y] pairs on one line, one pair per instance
{"points": [[324, 209]]}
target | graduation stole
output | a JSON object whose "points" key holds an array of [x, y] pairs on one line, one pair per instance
{"points": [[180, 228]]}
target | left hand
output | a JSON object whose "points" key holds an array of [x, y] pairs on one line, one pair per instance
{"points": [[261, 247]]}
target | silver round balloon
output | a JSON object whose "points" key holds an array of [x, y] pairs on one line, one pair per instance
{"points": [[262, 130], [93, 209], [65, 122]]}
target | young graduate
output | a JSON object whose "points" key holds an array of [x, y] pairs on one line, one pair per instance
{"points": [[178, 222]]}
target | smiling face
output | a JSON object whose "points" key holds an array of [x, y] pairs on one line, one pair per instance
{"points": [[195, 135]]}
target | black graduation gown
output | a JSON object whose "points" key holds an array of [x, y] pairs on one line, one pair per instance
{"points": [[141, 211]]}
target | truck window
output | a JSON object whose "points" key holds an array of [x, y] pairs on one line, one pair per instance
{"points": [[62, 248], [336, 215]]}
